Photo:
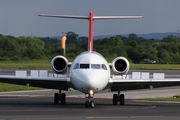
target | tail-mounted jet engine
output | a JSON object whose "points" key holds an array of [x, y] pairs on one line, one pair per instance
{"points": [[59, 64], [120, 65]]}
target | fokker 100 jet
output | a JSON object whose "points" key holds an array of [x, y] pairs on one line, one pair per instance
{"points": [[90, 73]]}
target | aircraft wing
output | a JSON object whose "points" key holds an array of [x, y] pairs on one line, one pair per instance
{"points": [[140, 80], [37, 80]]}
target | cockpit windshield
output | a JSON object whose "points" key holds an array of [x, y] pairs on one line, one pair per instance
{"points": [[95, 66], [90, 66], [84, 66]]}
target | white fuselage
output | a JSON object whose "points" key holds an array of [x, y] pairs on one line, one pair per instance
{"points": [[89, 71]]}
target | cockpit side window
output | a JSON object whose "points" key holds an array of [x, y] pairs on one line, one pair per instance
{"points": [[95, 66], [84, 66], [104, 67], [76, 66]]}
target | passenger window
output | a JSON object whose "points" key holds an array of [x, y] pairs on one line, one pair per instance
{"points": [[95, 66], [84, 66], [104, 67], [76, 66]]}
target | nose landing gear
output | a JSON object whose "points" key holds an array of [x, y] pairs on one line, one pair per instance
{"points": [[89, 103]]}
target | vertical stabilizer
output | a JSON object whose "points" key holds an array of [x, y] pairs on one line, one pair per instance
{"points": [[90, 42]]}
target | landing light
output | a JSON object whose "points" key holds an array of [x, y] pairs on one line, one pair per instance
{"points": [[91, 92]]}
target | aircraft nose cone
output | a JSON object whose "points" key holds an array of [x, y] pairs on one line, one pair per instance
{"points": [[87, 80], [91, 80], [95, 81]]}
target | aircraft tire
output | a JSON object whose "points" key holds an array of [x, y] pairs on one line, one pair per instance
{"points": [[87, 104], [63, 98], [91, 104], [121, 98], [115, 99], [56, 98]]}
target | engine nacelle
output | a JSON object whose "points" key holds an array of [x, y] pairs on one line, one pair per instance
{"points": [[59, 64], [120, 66]]}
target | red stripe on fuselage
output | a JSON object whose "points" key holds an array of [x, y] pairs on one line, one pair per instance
{"points": [[91, 31]]}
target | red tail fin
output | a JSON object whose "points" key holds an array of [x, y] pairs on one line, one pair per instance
{"points": [[90, 43]]}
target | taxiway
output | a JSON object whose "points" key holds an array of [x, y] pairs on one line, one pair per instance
{"points": [[38, 105]]}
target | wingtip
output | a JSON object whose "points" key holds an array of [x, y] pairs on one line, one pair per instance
{"points": [[142, 16]]}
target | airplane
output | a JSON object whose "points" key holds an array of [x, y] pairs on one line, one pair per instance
{"points": [[90, 73]]}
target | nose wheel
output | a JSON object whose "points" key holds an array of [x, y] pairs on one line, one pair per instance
{"points": [[89, 103]]}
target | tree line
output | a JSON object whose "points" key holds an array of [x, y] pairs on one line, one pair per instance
{"points": [[135, 49]]}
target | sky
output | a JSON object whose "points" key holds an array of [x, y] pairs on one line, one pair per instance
{"points": [[20, 17]]}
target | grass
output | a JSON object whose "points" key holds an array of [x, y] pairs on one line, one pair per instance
{"points": [[155, 66], [162, 99], [29, 64], [10, 87]]}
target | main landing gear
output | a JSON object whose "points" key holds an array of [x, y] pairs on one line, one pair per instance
{"points": [[59, 97], [89, 103], [118, 98]]}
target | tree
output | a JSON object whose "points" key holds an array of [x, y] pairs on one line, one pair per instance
{"points": [[133, 43], [170, 39], [72, 37], [32, 47], [133, 36], [83, 39], [9, 48]]}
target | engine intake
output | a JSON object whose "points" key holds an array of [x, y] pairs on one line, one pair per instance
{"points": [[59, 64], [120, 66]]}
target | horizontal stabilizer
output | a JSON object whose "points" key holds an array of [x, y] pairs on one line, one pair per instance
{"points": [[87, 17], [117, 17], [65, 16]]}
